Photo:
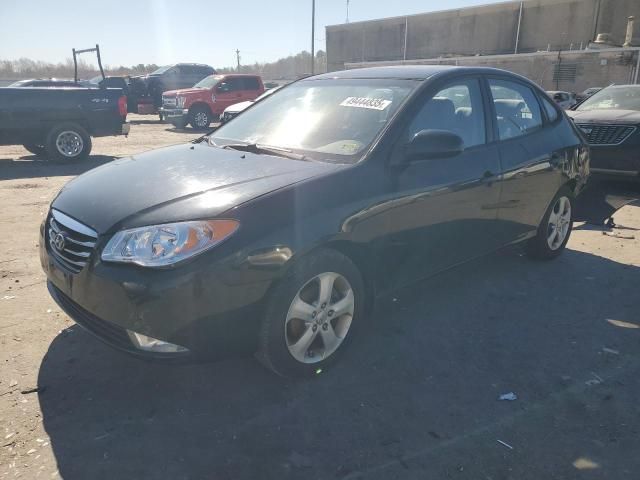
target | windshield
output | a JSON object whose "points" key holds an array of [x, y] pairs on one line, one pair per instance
{"points": [[614, 98], [328, 120], [208, 82], [161, 70]]}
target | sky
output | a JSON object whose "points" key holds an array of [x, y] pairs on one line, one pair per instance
{"points": [[164, 32]]}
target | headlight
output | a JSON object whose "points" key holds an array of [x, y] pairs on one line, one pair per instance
{"points": [[162, 245], [180, 101]]}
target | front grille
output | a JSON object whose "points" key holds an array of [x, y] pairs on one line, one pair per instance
{"points": [[606, 134], [70, 242], [168, 101], [107, 331]]}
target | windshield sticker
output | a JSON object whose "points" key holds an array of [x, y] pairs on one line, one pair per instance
{"points": [[364, 102]]}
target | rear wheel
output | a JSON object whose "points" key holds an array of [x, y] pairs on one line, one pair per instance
{"points": [[200, 117], [37, 149], [68, 142], [555, 229], [312, 315]]}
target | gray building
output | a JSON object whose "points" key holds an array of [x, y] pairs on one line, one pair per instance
{"points": [[552, 35]]}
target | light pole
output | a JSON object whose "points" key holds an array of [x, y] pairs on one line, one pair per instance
{"points": [[313, 36]]}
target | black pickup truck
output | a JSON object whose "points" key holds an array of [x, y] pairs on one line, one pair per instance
{"points": [[60, 122]]}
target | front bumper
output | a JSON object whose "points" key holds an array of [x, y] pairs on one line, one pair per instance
{"points": [[617, 160], [174, 113], [226, 116], [211, 308]]}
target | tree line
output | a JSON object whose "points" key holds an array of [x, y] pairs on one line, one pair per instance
{"points": [[291, 67]]}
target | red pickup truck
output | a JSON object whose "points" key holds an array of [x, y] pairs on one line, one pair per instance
{"points": [[207, 99]]}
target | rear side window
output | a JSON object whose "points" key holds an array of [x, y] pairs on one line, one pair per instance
{"points": [[516, 107], [456, 108], [251, 83], [550, 110]]}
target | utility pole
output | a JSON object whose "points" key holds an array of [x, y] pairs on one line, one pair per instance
{"points": [[238, 58], [347, 12], [313, 36]]}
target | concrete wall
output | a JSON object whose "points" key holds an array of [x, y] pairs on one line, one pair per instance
{"points": [[484, 30], [592, 68]]}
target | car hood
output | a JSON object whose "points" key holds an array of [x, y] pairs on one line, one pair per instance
{"points": [[605, 116], [184, 91], [183, 182], [238, 107]]}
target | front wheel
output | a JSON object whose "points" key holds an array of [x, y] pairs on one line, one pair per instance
{"points": [[555, 229], [312, 315], [200, 118]]}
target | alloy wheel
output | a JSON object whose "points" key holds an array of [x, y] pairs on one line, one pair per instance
{"points": [[201, 119], [559, 223], [319, 317]]}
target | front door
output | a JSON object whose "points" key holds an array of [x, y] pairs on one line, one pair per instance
{"points": [[228, 92], [445, 209]]}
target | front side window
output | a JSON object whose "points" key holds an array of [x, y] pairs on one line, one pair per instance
{"points": [[230, 85], [326, 120], [517, 109], [456, 108]]}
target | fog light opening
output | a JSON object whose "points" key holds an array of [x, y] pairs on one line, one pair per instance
{"points": [[151, 344]]}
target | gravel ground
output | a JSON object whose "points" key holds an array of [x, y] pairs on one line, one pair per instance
{"points": [[415, 398]]}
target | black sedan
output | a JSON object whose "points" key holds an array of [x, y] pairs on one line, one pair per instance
{"points": [[610, 120], [275, 233]]}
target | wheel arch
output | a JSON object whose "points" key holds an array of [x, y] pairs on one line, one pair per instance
{"points": [[200, 104], [360, 255]]}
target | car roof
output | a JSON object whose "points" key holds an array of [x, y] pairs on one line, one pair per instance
{"points": [[407, 72], [193, 65]]}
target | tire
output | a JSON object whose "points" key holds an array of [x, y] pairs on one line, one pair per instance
{"points": [[555, 229], [200, 117], [179, 124], [36, 149], [282, 328], [68, 142]]}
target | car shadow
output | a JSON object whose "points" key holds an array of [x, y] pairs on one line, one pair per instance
{"points": [[422, 384], [192, 130], [603, 196], [30, 166]]}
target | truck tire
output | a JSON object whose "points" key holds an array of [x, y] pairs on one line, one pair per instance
{"points": [[178, 123], [68, 142], [200, 117], [37, 149]]}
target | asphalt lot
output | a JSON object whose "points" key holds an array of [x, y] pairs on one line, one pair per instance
{"points": [[417, 397]]}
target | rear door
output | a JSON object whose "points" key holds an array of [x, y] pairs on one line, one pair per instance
{"points": [[445, 209], [251, 88], [531, 176]]}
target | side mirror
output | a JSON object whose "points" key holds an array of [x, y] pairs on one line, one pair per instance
{"points": [[428, 144]]}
